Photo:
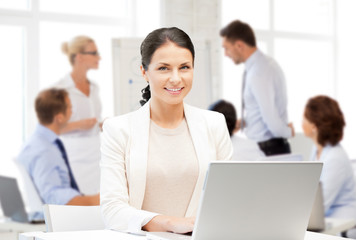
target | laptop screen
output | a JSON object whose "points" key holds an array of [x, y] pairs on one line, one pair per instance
{"points": [[11, 200]]}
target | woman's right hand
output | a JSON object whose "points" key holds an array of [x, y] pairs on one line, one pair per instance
{"points": [[162, 223]]}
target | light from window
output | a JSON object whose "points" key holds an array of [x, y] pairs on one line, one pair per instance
{"points": [[146, 20], [304, 16], [11, 96], [104, 8], [246, 11], [346, 77], [15, 4]]}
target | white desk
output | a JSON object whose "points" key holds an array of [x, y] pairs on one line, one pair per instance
{"points": [[112, 235], [334, 226], [10, 230]]}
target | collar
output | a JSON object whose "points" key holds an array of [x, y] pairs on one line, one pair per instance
{"points": [[47, 133], [252, 59], [68, 82], [187, 110]]}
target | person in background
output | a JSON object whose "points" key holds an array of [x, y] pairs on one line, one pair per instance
{"points": [[44, 156], [323, 122], [81, 135], [264, 96], [154, 160], [244, 149]]}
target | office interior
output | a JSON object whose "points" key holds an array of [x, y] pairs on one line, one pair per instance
{"points": [[312, 40]]}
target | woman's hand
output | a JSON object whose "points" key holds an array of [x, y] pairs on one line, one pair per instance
{"points": [[292, 128], [170, 224]]}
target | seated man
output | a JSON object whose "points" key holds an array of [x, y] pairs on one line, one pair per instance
{"points": [[44, 156], [244, 148]]}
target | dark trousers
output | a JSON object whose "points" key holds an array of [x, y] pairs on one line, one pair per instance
{"points": [[275, 146]]}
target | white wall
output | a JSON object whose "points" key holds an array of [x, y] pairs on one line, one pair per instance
{"points": [[200, 19]]}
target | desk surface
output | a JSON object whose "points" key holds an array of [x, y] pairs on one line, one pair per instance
{"points": [[113, 235], [10, 226], [334, 226]]}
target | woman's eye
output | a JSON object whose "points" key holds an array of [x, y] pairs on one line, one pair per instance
{"points": [[185, 67], [162, 68]]}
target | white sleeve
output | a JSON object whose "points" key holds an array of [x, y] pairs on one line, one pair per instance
{"points": [[114, 191]]}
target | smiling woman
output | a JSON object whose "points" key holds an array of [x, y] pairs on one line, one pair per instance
{"points": [[146, 184], [170, 76]]}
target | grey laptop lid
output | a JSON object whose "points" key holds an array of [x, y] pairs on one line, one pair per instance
{"points": [[256, 200], [11, 200], [317, 216]]}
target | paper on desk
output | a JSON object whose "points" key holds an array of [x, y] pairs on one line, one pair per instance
{"points": [[89, 235]]}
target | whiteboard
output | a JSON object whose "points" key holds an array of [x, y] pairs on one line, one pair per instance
{"points": [[128, 81]]}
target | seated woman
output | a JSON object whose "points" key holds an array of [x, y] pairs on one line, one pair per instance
{"points": [[324, 122], [244, 149], [154, 160]]}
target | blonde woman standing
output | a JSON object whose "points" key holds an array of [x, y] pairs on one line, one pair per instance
{"points": [[81, 135]]}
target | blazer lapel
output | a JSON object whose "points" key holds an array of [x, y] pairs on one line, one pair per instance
{"points": [[138, 154], [200, 138]]}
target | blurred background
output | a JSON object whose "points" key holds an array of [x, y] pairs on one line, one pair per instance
{"points": [[312, 40]]}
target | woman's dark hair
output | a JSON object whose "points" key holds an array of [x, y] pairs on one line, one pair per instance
{"points": [[228, 110], [155, 40], [238, 30], [328, 118]]}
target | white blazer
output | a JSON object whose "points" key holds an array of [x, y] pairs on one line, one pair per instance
{"points": [[124, 151]]}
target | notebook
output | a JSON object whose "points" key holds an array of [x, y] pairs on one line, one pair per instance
{"points": [[12, 204], [317, 216], [254, 200]]}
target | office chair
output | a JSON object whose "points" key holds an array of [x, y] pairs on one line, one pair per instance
{"points": [[72, 218], [33, 198]]}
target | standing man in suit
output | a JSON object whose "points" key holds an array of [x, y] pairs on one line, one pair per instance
{"points": [[264, 99], [44, 156]]}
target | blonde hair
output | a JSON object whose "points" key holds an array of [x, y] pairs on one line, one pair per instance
{"points": [[75, 46]]}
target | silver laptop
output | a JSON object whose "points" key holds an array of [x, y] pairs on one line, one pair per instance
{"points": [[12, 204], [254, 200], [317, 216]]}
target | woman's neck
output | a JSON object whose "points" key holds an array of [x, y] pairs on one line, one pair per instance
{"points": [[80, 80], [319, 150], [166, 115], [79, 75]]}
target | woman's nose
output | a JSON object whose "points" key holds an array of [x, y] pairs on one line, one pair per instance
{"points": [[175, 77]]}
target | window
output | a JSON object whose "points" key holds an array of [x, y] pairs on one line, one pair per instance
{"points": [[313, 42], [12, 50], [103, 8], [15, 5], [32, 59]]}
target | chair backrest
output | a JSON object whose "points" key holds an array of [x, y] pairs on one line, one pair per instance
{"points": [[300, 144], [32, 196], [72, 218]]}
